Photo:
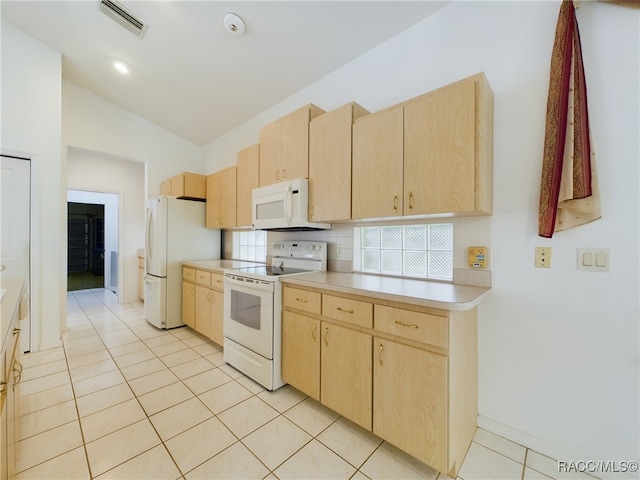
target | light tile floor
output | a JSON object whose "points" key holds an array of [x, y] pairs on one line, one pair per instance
{"points": [[124, 400]]}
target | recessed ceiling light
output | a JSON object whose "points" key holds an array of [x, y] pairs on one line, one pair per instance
{"points": [[121, 67]]}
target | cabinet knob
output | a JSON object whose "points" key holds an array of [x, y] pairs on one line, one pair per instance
{"points": [[326, 337], [410, 201], [395, 203], [313, 331], [16, 331], [380, 354], [277, 174], [284, 173]]}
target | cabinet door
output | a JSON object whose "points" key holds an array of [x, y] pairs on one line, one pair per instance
{"points": [[189, 304], [165, 187], [248, 178], [217, 312], [228, 198], [203, 310], [439, 151], [295, 145], [212, 209], [377, 165], [410, 400], [270, 153], [345, 373], [301, 353], [330, 164]]}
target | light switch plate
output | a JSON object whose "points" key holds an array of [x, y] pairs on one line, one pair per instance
{"points": [[594, 259], [477, 257]]}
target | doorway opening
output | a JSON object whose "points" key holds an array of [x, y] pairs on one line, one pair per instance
{"points": [[92, 240], [85, 246]]}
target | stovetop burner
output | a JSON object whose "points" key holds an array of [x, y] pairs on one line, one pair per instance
{"points": [[287, 258], [271, 271]]}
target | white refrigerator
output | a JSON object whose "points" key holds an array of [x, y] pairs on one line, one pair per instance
{"points": [[175, 232]]}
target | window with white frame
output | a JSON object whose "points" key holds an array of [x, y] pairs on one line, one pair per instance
{"points": [[250, 245], [423, 251]]}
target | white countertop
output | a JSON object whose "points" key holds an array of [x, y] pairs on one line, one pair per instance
{"points": [[416, 292], [219, 265]]}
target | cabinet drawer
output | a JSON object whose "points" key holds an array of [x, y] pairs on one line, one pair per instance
{"points": [[217, 281], [203, 278], [347, 310], [421, 327], [189, 274], [302, 300]]}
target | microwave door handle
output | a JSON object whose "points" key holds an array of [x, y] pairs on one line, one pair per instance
{"points": [[288, 204]]}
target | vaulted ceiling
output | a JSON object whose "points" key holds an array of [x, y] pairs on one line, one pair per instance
{"points": [[190, 74]]}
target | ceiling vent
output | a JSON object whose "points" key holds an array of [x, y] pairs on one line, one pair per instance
{"points": [[125, 18]]}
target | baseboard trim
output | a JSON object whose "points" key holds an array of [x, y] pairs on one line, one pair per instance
{"points": [[550, 450]]}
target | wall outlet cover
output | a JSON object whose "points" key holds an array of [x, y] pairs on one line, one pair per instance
{"points": [[477, 257]]}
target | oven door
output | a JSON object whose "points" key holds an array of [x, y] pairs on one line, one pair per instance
{"points": [[248, 313]]}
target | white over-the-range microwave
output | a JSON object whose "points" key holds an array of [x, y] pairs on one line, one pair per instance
{"points": [[283, 206]]}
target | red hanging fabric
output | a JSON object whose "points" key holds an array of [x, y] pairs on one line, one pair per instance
{"points": [[566, 77]]}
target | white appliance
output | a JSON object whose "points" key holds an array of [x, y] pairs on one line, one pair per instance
{"points": [[283, 206], [175, 232], [253, 309]]}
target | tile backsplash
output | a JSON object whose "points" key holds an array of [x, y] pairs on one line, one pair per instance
{"points": [[468, 231]]}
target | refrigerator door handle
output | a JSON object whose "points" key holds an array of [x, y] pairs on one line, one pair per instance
{"points": [[148, 237]]}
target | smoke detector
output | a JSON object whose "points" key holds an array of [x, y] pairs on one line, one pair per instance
{"points": [[234, 24], [124, 17]]}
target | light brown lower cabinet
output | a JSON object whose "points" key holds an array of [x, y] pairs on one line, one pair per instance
{"points": [[407, 373], [203, 302], [301, 353], [329, 363], [410, 400], [189, 303], [345, 373], [217, 312], [203, 310]]}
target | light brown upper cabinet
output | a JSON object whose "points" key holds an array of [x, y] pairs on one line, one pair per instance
{"points": [[248, 178], [444, 139], [284, 146], [187, 185], [377, 165], [330, 163], [448, 149], [221, 199]]}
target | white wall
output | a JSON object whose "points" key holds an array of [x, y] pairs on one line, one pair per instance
{"points": [[92, 123], [96, 172], [31, 76], [559, 359]]}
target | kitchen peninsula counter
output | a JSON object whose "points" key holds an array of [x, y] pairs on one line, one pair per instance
{"points": [[423, 293]]}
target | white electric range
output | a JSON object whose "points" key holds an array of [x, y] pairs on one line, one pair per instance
{"points": [[253, 309]]}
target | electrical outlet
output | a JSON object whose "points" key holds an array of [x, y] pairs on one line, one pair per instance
{"points": [[477, 257], [339, 250], [543, 257]]}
